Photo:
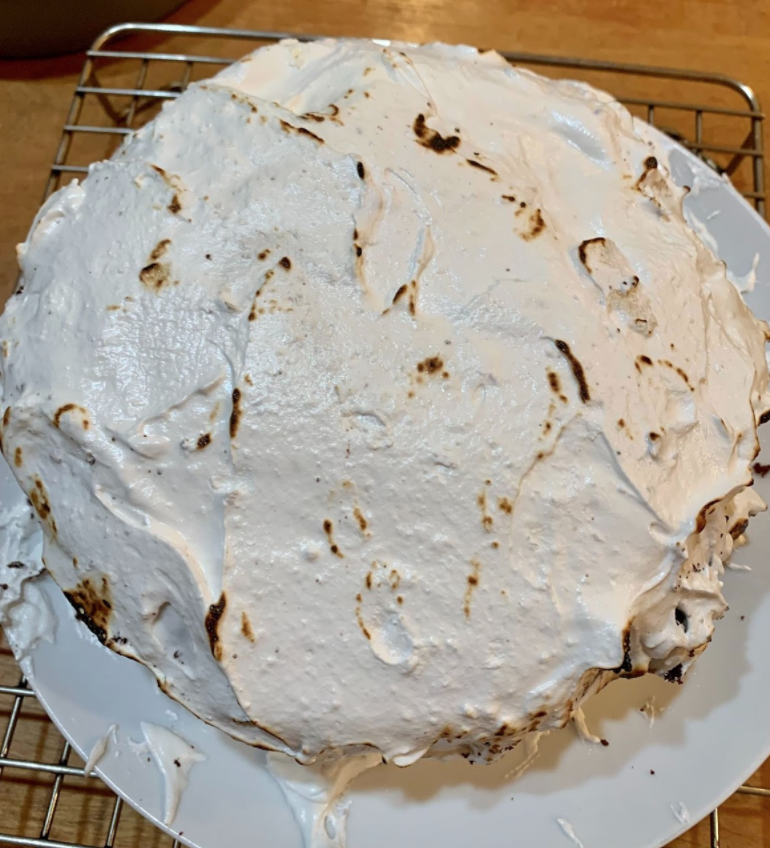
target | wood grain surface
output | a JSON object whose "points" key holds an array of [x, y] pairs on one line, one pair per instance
{"points": [[713, 35]]}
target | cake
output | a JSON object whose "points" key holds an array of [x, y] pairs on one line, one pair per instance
{"points": [[380, 397]]}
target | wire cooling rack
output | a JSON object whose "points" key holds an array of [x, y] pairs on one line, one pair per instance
{"points": [[119, 90]]}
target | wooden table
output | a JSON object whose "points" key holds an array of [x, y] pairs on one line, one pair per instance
{"points": [[714, 35]]}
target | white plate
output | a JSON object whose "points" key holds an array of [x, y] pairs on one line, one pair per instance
{"points": [[713, 732]]}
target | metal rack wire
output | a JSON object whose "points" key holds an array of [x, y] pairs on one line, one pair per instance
{"points": [[119, 90]]}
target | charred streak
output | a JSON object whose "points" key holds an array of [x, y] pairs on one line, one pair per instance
{"points": [[481, 167], [627, 665], [235, 415], [246, 629], [577, 369], [537, 225], [211, 623], [674, 675], [301, 131], [583, 250], [650, 164], [160, 248], [739, 528], [82, 615], [91, 607], [702, 517], [155, 275], [432, 139], [399, 294]]}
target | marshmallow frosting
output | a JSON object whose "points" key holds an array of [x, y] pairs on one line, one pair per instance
{"points": [[380, 397]]}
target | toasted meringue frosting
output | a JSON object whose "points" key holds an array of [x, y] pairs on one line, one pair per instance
{"points": [[380, 396]]}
